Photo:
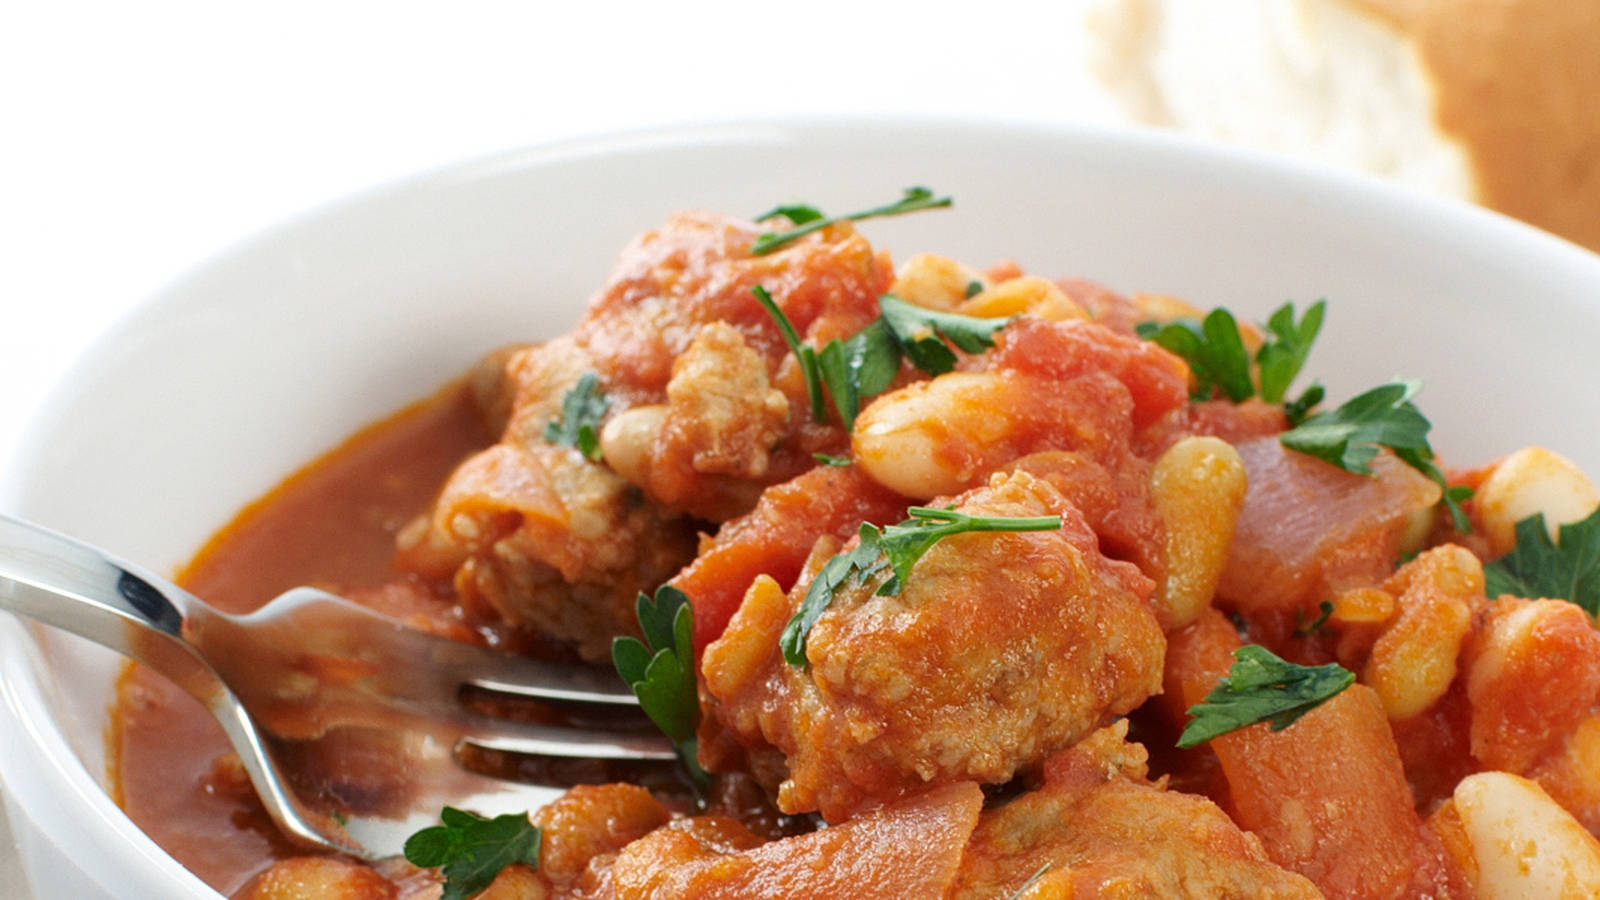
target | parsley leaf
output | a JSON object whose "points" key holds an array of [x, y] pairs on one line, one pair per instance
{"points": [[581, 411], [1260, 687], [897, 547], [864, 365], [796, 213], [811, 219], [660, 670], [1315, 626], [973, 289], [472, 849], [1568, 569], [921, 333], [829, 459], [1216, 355], [1298, 409], [858, 368], [1349, 437], [807, 356], [1279, 361], [1212, 348]]}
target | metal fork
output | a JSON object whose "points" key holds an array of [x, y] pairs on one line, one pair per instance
{"points": [[350, 725]]}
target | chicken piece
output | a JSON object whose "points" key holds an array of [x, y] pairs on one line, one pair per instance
{"points": [[906, 849], [1098, 828], [1000, 649], [775, 537], [722, 418], [554, 542], [695, 271], [537, 535], [698, 384]]}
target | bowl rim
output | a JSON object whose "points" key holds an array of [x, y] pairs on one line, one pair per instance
{"points": [[40, 767]]}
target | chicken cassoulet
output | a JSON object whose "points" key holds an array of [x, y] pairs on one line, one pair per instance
{"points": [[988, 586]]}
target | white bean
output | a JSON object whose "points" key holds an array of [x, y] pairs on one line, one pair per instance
{"points": [[1526, 847], [929, 438], [935, 282], [1532, 480], [1198, 486]]}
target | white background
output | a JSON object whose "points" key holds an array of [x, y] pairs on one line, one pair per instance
{"points": [[143, 137]]}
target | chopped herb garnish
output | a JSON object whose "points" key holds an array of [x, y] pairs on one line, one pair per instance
{"points": [[1279, 361], [974, 288], [581, 411], [1212, 348], [1307, 629], [864, 365], [922, 333], [829, 459], [858, 368], [807, 219], [660, 670], [806, 355], [1349, 437], [470, 850], [1567, 569], [796, 213], [896, 548], [1260, 687], [1297, 410], [1216, 355]]}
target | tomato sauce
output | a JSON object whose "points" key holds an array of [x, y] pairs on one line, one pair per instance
{"points": [[332, 524]]}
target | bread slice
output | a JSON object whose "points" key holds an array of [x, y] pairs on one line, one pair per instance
{"points": [[1495, 101]]}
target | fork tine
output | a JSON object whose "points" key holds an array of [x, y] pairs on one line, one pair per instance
{"points": [[533, 739], [406, 654]]}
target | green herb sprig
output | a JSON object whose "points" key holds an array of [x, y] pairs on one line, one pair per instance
{"points": [[807, 219], [1261, 687], [1215, 352], [862, 366], [1315, 626], [896, 548], [470, 850], [660, 670], [1566, 569], [806, 356], [1280, 360], [1350, 436], [921, 333], [582, 408]]}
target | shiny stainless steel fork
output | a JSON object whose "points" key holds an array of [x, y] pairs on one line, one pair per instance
{"points": [[348, 723]]}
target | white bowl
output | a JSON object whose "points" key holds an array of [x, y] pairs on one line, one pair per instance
{"points": [[212, 391]]}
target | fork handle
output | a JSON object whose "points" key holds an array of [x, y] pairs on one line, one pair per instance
{"points": [[66, 583]]}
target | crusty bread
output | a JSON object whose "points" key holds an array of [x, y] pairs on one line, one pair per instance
{"points": [[1496, 101]]}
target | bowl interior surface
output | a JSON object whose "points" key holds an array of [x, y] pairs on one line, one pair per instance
{"points": [[210, 393]]}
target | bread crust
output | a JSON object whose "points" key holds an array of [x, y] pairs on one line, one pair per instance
{"points": [[1517, 83]]}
